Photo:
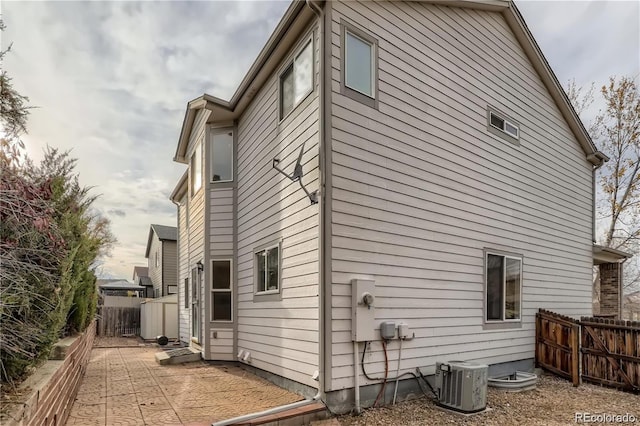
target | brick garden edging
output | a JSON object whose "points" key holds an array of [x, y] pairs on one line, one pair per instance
{"points": [[54, 385]]}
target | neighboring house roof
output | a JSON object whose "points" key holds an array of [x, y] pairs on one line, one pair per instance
{"points": [[145, 281], [140, 271], [602, 254], [164, 233], [294, 21], [120, 285]]}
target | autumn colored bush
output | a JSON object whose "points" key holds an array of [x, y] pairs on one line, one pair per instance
{"points": [[50, 240]]}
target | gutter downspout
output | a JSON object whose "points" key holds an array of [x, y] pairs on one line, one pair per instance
{"points": [[602, 159], [321, 242], [319, 12]]}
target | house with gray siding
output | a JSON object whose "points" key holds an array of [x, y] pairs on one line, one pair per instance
{"points": [[413, 163], [162, 256]]}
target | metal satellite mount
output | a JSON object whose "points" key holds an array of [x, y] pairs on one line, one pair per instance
{"points": [[297, 175]]}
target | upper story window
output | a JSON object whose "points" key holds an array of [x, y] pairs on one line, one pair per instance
{"points": [[502, 126], [195, 168], [221, 156], [359, 65], [157, 262], [296, 82], [503, 288]]}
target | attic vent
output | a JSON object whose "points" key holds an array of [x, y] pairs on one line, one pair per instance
{"points": [[498, 121]]}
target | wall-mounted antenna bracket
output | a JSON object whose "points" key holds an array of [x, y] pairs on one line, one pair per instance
{"points": [[297, 175]]}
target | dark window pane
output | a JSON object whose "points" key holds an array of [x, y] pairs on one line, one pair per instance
{"points": [[495, 278], [286, 92], [222, 157], [512, 289], [222, 306], [272, 268], [260, 260], [497, 121], [186, 292], [221, 274]]}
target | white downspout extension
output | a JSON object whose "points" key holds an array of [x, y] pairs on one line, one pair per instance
{"points": [[321, 293], [356, 377]]}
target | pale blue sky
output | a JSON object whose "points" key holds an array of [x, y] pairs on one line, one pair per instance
{"points": [[111, 81]]}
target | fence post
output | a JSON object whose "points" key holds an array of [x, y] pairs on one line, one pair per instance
{"points": [[537, 350], [575, 354]]}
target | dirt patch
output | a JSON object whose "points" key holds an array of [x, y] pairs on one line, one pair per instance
{"points": [[553, 402]]}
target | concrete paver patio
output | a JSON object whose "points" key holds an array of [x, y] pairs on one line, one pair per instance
{"points": [[124, 385]]}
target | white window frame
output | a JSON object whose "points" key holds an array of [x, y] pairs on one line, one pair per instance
{"points": [[157, 256], [222, 290], [197, 155], [255, 261], [348, 32], [503, 320], [213, 133], [292, 63], [505, 121]]}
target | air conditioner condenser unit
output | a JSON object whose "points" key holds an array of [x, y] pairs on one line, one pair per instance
{"points": [[462, 386]]}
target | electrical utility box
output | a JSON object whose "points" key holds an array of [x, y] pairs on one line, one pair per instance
{"points": [[363, 310]]}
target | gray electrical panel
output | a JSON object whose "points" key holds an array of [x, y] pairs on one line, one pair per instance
{"points": [[387, 330]]}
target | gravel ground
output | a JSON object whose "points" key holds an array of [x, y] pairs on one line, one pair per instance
{"points": [[554, 402]]}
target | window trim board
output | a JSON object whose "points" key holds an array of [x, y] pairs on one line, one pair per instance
{"points": [[370, 101], [494, 130], [502, 323], [230, 290], [219, 131], [267, 295]]}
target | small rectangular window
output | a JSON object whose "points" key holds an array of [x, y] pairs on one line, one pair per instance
{"points": [[186, 293], [359, 64], [221, 290], [172, 289], [504, 125], [296, 82], [196, 169], [222, 157], [268, 270], [503, 287]]}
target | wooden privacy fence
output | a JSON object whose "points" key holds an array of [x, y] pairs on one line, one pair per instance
{"points": [[611, 352], [558, 345], [114, 321], [597, 350]]}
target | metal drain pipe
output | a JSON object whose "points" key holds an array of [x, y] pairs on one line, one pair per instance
{"points": [[268, 412]]}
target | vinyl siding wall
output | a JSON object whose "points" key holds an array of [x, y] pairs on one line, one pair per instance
{"points": [[196, 215], [282, 336], [169, 265], [420, 188], [155, 273], [221, 228], [183, 273]]}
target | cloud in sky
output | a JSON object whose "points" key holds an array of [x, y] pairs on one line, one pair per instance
{"points": [[111, 81]]}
